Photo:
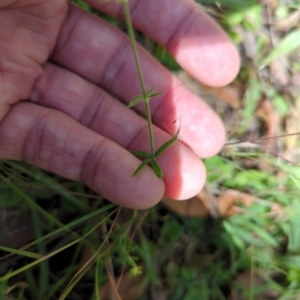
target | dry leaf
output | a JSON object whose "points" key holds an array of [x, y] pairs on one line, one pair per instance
{"points": [[130, 287], [250, 44], [279, 70], [291, 142], [287, 23], [193, 207], [230, 94], [245, 282], [229, 199], [204, 204], [294, 87], [270, 3], [267, 112]]}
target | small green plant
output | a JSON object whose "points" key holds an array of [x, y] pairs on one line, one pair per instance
{"points": [[91, 245], [145, 96]]}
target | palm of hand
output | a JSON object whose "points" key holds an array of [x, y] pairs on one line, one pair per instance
{"points": [[72, 127], [28, 36]]}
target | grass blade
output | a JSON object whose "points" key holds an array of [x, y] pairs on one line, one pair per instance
{"points": [[43, 178], [97, 270], [71, 224], [290, 43], [44, 276], [20, 252], [7, 276]]}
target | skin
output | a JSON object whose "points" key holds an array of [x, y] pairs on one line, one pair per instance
{"points": [[65, 77]]}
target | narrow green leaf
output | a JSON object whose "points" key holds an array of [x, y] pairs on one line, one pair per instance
{"points": [[44, 276], [288, 44], [36, 262], [97, 281], [141, 154], [71, 285], [71, 224], [135, 101], [164, 147], [137, 97], [157, 169], [7, 276], [236, 235], [150, 91], [21, 252], [233, 4], [294, 226], [141, 167], [154, 95], [263, 234], [52, 183]]}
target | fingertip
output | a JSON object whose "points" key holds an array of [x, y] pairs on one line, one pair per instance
{"points": [[146, 190], [118, 184], [212, 138], [215, 65], [193, 177], [186, 174], [201, 129], [205, 51]]}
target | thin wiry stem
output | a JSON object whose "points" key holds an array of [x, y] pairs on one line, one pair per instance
{"points": [[139, 70]]}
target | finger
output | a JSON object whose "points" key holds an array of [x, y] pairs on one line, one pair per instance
{"points": [[28, 33], [184, 174], [102, 54], [53, 141], [19, 3], [197, 43]]}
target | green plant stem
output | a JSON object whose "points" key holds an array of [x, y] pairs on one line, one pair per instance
{"points": [[139, 70]]}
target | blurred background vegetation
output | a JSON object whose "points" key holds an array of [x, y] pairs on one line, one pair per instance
{"points": [[238, 239]]}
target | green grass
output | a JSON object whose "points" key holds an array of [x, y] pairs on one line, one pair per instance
{"points": [[59, 240]]}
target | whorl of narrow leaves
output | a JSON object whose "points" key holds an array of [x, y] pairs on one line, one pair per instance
{"points": [[142, 98], [152, 160], [141, 167]]}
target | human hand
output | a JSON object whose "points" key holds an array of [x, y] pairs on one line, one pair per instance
{"points": [[66, 64]]}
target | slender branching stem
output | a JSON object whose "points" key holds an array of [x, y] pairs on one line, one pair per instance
{"points": [[148, 158], [140, 75], [133, 44]]}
